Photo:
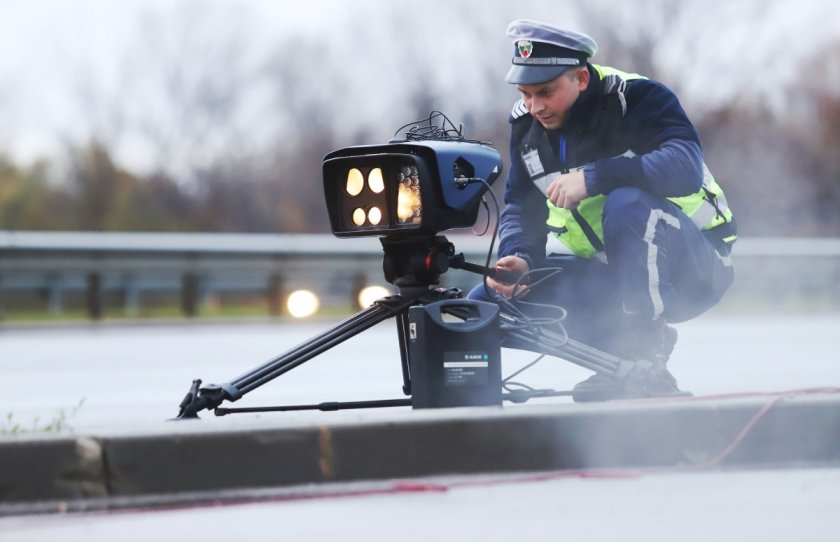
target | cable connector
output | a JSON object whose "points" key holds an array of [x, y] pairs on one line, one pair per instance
{"points": [[462, 182]]}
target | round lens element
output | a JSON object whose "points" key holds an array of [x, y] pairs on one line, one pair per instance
{"points": [[359, 216], [409, 204], [374, 215], [375, 181], [404, 204], [355, 182]]}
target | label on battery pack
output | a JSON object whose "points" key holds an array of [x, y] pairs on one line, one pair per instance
{"points": [[466, 368]]}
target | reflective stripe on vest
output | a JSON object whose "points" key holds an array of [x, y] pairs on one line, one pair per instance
{"points": [[707, 208]]}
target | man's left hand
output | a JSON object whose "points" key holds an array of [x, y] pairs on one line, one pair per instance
{"points": [[567, 190]]}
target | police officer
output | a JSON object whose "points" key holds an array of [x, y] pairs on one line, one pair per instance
{"points": [[607, 182]]}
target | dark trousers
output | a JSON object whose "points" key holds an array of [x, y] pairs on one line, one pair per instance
{"points": [[659, 265]]}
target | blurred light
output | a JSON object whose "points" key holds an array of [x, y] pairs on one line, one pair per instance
{"points": [[302, 303], [369, 294], [375, 180], [355, 182], [374, 215], [359, 216]]}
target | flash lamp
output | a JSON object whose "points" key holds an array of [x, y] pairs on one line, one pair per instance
{"points": [[407, 188]]}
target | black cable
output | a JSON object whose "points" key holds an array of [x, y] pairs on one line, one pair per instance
{"points": [[426, 130], [519, 392], [463, 182], [502, 300], [487, 225], [492, 239], [506, 382], [511, 304], [531, 324], [516, 386], [551, 271]]}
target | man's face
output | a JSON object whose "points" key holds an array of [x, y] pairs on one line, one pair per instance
{"points": [[550, 102]]}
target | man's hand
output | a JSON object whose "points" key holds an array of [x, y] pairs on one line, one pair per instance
{"points": [[510, 263], [567, 190]]}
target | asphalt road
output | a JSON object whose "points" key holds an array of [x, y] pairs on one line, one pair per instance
{"points": [[126, 377], [780, 505], [138, 374]]}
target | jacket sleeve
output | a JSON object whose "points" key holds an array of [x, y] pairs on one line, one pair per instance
{"points": [[522, 228], [666, 157]]}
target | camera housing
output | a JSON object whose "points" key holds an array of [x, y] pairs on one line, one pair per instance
{"points": [[407, 188]]}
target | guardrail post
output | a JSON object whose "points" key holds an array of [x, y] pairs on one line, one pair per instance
{"points": [[94, 296], [357, 284], [189, 294], [276, 294], [131, 295], [55, 294]]}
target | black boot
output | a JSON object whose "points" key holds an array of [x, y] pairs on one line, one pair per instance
{"points": [[648, 345]]}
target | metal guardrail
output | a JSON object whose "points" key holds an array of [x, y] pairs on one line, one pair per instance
{"points": [[55, 268]]}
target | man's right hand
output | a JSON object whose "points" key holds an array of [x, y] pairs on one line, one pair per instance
{"points": [[516, 265]]}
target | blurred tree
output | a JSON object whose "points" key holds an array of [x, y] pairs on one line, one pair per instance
{"points": [[628, 33], [231, 198], [233, 132], [307, 87], [762, 169], [824, 163], [27, 201], [186, 95], [819, 131], [109, 198], [156, 203], [96, 179]]}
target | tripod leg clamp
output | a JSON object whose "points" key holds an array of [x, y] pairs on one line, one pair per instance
{"points": [[208, 397]]}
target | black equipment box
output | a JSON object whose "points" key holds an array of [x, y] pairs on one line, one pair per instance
{"points": [[455, 354]]}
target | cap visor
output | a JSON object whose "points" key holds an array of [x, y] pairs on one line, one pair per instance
{"points": [[532, 75]]}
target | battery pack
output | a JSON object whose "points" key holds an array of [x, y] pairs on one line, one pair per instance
{"points": [[455, 354]]}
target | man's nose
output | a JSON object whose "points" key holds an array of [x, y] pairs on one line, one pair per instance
{"points": [[535, 107]]}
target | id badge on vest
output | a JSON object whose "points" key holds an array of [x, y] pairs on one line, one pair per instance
{"points": [[536, 170], [533, 163]]}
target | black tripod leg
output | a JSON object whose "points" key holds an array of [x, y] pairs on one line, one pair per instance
{"points": [[556, 344], [211, 396], [633, 379], [403, 334], [305, 351]]}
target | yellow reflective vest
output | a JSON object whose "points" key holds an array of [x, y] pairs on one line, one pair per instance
{"points": [[581, 229]]}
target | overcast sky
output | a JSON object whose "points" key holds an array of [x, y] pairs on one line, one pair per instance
{"points": [[716, 51], [46, 46]]}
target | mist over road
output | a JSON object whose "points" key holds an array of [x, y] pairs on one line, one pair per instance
{"points": [[134, 375]]}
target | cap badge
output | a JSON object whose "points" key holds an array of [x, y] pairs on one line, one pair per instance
{"points": [[525, 48]]}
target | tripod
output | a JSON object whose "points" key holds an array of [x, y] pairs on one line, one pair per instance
{"points": [[414, 265]]}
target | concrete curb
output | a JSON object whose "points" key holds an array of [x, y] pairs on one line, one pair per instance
{"points": [[198, 458]]}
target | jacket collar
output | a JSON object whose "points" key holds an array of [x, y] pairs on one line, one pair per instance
{"points": [[582, 110]]}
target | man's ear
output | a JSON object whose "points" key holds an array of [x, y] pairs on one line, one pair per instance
{"points": [[582, 78]]}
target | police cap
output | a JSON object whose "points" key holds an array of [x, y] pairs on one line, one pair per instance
{"points": [[542, 51]]}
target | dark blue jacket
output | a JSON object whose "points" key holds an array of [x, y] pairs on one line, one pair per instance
{"points": [[665, 156]]}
